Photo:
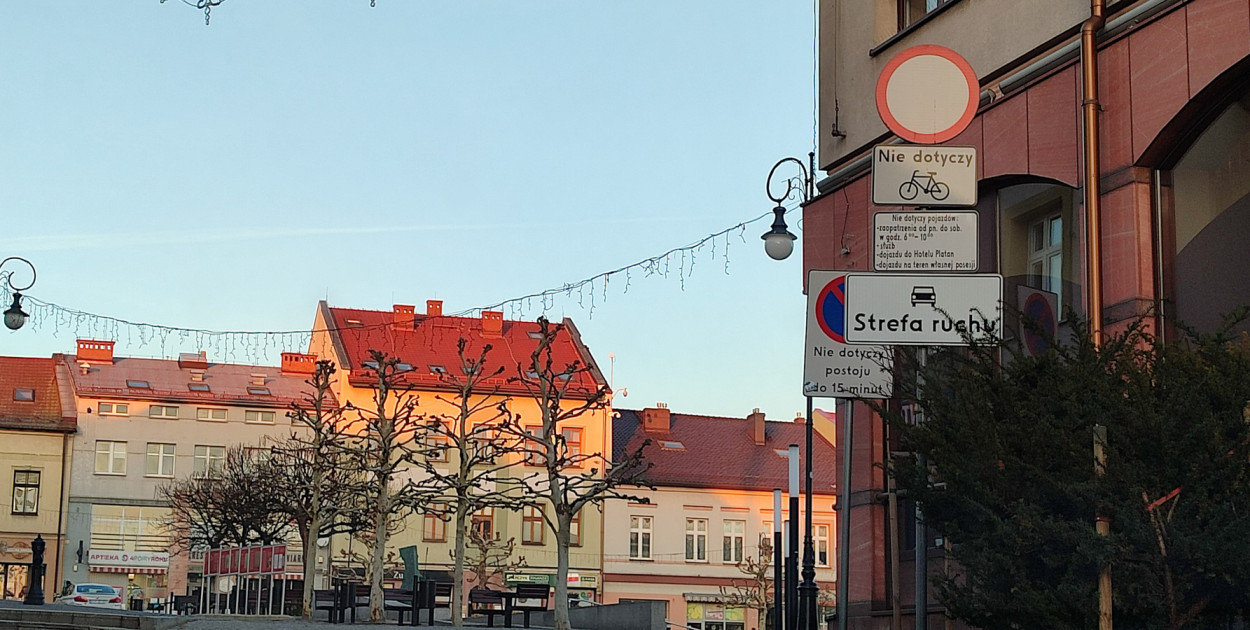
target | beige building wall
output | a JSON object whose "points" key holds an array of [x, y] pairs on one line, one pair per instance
{"points": [[41, 452], [669, 576], [855, 45]]}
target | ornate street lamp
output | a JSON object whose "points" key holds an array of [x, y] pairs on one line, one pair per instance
{"points": [[15, 317], [778, 241]]}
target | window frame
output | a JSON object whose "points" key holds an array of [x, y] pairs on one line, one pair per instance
{"points": [[24, 394], [572, 448], [207, 456], [733, 543], [116, 451], [24, 488], [433, 528], [575, 530], [113, 408], [820, 540], [532, 457], [641, 532], [208, 414], [483, 521], [533, 526], [160, 457], [257, 416], [695, 552], [164, 412]]}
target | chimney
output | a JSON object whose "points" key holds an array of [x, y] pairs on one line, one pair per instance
{"points": [[89, 350], [296, 363], [799, 418], [434, 308], [405, 317], [492, 323], [755, 424], [656, 419], [192, 360]]}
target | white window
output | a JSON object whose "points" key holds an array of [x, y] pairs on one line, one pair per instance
{"points": [[208, 460], [1046, 254], [26, 492], [734, 540], [640, 538], [820, 535], [114, 409], [162, 411], [696, 539], [264, 417], [210, 413], [110, 458], [160, 461]]}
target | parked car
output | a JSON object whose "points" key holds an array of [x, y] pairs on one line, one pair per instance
{"points": [[99, 595]]}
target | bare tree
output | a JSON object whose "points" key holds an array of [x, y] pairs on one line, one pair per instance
{"points": [[570, 479], [755, 590], [231, 502], [386, 440], [319, 483], [467, 455], [489, 559]]}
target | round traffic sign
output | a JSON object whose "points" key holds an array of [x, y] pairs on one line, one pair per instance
{"points": [[927, 94], [831, 309], [1037, 308]]}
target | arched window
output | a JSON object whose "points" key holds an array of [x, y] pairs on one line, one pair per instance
{"points": [[1208, 243]]}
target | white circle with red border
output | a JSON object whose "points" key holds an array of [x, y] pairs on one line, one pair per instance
{"points": [[927, 94]]}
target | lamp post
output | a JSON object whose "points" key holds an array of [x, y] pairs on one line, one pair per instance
{"points": [[779, 243], [15, 317]]}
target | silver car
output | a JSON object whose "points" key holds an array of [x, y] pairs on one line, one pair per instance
{"points": [[98, 595]]}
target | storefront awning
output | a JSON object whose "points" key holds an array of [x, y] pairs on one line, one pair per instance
{"points": [[135, 570]]}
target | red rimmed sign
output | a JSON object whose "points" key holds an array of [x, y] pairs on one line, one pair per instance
{"points": [[927, 94]]}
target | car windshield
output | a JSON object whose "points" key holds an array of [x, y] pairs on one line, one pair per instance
{"points": [[95, 589]]}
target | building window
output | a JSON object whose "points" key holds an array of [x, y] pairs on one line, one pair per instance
{"points": [[23, 394], [114, 409], [160, 461], [110, 458], [820, 535], [734, 540], [1046, 254], [262, 417], [435, 529], [910, 11], [210, 413], [575, 530], [25, 492], [208, 459], [572, 444], [482, 523], [696, 539], [1038, 243], [701, 616], [640, 538], [533, 452], [163, 411], [436, 446], [532, 525]]}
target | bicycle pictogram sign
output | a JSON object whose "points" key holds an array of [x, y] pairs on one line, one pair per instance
{"points": [[926, 184]]}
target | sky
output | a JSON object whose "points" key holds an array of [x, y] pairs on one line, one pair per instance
{"points": [[227, 177]]}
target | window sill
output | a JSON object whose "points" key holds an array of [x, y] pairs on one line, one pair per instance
{"points": [[110, 474], [158, 476], [25, 513], [891, 40], [640, 560], [533, 544], [690, 561]]}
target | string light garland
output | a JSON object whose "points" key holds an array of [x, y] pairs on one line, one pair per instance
{"points": [[253, 346]]}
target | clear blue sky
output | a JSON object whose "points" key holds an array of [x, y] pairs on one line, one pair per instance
{"points": [[229, 176]]}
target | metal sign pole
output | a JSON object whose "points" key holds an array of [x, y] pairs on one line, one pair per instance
{"points": [[844, 517]]}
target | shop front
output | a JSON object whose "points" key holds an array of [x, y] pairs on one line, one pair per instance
{"points": [[14, 567], [141, 574], [707, 612], [583, 587]]}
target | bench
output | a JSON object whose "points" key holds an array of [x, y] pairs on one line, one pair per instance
{"points": [[326, 599], [484, 601], [440, 598], [401, 600], [186, 605], [528, 598]]}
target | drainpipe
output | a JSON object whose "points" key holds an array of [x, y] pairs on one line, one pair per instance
{"points": [[1093, 237], [63, 505]]}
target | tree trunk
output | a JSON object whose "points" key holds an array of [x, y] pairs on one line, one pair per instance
{"points": [[309, 542], [562, 573], [376, 601], [457, 600]]}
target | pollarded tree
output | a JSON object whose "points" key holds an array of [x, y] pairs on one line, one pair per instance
{"points": [[314, 467], [1009, 479], [466, 452], [755, 589], [386, 440], [230, 502], [570, 479]]}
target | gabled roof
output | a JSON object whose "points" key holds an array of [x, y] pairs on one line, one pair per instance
{"points": [[226, 383], [37, 377], [429, 343], [718, 452]]}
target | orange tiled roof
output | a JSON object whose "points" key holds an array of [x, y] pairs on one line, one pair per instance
{"points": [[430, 340], [36, 376]]}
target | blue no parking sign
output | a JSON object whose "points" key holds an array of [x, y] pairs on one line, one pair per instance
{"points": [[831, 368]]}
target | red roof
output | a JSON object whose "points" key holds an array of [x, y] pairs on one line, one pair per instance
{"points": [[227, 383], [718, 452], [23, 377], [429, 342]]}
